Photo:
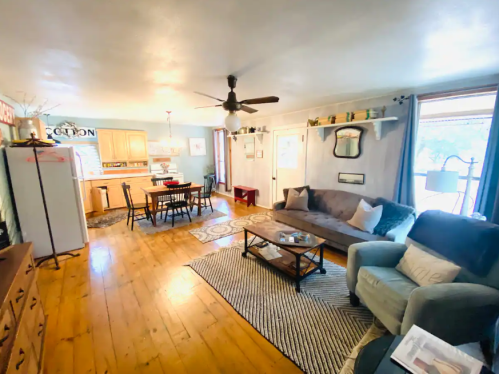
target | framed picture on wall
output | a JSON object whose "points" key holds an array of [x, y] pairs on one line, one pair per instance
{"points": [[351, 178], [197, 146]]}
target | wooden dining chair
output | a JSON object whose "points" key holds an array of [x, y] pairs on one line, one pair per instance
{"points": [[180, 197], [134, 210], [209, 184], [161, 199]]}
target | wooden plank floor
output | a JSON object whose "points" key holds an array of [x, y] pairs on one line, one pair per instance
{"points": [[128, 305]]}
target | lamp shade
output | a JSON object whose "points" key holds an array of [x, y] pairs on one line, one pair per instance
{"points": [[442, 181], [232, 122]]}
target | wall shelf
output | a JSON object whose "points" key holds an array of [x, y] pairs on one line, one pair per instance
{"points": [[257, 134], [377, 125]]}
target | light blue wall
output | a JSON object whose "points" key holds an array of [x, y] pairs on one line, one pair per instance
{"points": [[6, 200], [193, 167]]}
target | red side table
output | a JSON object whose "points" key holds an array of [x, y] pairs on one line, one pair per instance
{"points": [[240, 192]]}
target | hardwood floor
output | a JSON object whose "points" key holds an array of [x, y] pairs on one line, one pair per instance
{"points": [[128, 305]]}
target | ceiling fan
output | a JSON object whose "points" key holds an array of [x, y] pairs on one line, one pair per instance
{"points": [[232, 122]]}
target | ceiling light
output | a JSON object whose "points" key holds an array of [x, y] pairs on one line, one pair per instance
{"points": [[232, 122], [170, 142]]}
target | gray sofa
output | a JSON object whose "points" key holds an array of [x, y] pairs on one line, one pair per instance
{"points": [[460, 312], [329, 211]]}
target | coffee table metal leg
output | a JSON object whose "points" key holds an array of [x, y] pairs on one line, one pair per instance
{"points": [[298, 262], [245, 243], [323, 271]]}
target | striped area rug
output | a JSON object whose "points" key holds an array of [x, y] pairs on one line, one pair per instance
{"points": [[317, 328]]}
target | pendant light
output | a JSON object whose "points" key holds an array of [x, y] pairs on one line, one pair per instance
{"points": [[232, 122], [170, 142]]}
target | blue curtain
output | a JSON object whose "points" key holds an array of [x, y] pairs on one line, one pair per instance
{"points": [[487, 201], [404, 188]]}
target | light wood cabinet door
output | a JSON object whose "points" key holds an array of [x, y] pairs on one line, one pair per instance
{"points": [[86, 192], [120, 145], [137, 145], [115, 197], [106, 145]]}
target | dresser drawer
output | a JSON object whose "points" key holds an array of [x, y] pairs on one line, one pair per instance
{"points": [[7, 333], [106, 182], [137, 180], [20, 288], [38, 333], [31, 308], [18, 362]]}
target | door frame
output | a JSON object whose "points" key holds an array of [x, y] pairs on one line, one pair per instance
{"points": [[274, 158]]}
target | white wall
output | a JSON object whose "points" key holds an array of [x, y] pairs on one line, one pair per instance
{"points": [[379, 160]]}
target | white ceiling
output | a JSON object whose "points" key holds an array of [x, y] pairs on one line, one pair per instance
{"points": [[134, 59]]}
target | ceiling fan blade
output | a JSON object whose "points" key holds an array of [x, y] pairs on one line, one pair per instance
{"points": [[247, 109], [203, 94], [208, 106], [261, 100]]}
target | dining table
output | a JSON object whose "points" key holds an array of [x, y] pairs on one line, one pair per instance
{"points": [[156, 191]]}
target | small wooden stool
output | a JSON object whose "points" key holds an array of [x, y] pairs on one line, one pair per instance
{"points": [[249, 192]]}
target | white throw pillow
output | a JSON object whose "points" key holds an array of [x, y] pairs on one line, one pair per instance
{"points": [[297, 201], [424, 269], [366, 217]]}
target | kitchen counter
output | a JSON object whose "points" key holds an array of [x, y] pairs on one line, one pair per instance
{"points": [[117, 176]]}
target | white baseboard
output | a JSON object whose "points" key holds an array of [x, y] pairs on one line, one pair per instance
{"points": [[232, 196]]}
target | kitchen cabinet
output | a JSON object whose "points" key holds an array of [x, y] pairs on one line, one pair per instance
{"points": [[106, 145], [115, 197], [137, 145], [120, 146], [86, 191], [115, 194]]}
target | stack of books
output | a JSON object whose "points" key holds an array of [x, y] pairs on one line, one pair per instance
{"points": [[344, 117], [362, 115]]}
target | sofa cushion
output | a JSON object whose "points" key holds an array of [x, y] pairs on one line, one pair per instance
{"points": [[339, 204], [386, 293], [285, 192], [325, 226]]}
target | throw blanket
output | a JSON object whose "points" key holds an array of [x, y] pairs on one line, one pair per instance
{"points": [[468, 242], [393, 215]]}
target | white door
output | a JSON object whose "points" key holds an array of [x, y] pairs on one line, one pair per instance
{"points": [[289, 160]]}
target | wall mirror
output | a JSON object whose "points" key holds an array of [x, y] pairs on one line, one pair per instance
{"points": [[348, 142], [249, 148]]}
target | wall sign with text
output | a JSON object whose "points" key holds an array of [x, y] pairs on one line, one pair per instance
{"points": [[70, 130], [6, 113]]}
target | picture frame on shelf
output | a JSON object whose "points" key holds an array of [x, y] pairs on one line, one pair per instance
{"points": [[197, 146]]}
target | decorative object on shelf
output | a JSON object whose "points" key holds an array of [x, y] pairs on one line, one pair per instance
{"points": [[28, 103], [325, 120], [197, 146], [27, 130], [7, 113], [259, 129], [252, 130], [446, 181], [348, 142], [401, 99], [259, 154], [170, 142], [242, 130], [69, 130], [351, 178], [376, 122], [363, 115], [383, 110], [313, 122], [343, 117]]}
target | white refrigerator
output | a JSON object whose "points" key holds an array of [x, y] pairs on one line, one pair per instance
{"points": [[60, 168]]}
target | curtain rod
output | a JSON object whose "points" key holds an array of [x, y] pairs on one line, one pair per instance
{"points": [[455, 93]]}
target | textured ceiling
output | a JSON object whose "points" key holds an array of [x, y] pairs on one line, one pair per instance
{"points": [[136, 59]]}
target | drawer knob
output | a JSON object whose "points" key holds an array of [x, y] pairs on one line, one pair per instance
{"points": [[6, 335], [21, 353], [30, 268], [41, 329], [21, 295], [34, 303]]}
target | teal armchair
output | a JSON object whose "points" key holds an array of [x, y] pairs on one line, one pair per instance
{"points": [[460, 312]]}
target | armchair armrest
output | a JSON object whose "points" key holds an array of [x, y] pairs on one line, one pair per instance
{"points": [[279, 205], [399, 233], [455, 312], [383, 254]]}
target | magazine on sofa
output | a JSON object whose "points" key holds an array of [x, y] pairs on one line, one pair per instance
{"points": [[423, 353]]}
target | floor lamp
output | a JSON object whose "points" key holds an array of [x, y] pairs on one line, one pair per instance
{"points": [[446, 181]]}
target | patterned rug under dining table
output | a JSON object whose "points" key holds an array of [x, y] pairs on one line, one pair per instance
{"points": [[155, 191]]}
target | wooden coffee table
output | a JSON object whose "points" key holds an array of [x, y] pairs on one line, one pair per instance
{"points": [[291, 255]]}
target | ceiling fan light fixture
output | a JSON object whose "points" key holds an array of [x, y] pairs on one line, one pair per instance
{"points": [[232, 122]]}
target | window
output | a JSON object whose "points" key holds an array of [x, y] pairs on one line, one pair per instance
{"points": [[452, 126], [219, 139]]}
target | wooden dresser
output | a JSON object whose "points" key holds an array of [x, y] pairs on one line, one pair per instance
{"points": [[22, 319]]}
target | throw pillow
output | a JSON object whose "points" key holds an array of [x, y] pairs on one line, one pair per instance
{"points": [[300, 189], [366, 217], [297, 201], [425, 269]]}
